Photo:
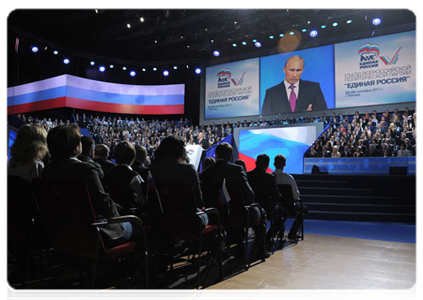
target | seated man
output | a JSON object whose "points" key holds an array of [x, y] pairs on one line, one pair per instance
{"points": [[87, 154], [123, 183], [285, 178], [211, 183], [64, 144], [101, 154], [267, 194]]}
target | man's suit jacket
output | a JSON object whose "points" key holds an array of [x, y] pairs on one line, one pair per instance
{"points": [[276, 99], [264, 186], [103, 205], [212, 178]]}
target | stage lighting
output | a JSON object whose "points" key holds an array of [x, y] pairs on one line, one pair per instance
{"points": [[111, 66], [281, 35], [142, 19], [304, 30], [216, 53], [313, 33], [66, 61], [349, 21], [376, 21], [165, 73], [128, 25], [34, 49], [154, 69], [132, 73], [271, 37], [233, 45], [102, 68], [143, 69], [244, 43], [198, 71], [124, 68], [335, 24], [254, 40], [291, 33], [257, 44], [92, 63], [175, 67], [55, 52], [323, 26]]}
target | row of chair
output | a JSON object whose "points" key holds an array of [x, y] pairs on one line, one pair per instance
{"points": [[172, 216]]}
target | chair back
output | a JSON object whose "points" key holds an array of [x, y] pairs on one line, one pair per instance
{"points": [[22, 209], [287, 196], [121, 193], [68, 216]]}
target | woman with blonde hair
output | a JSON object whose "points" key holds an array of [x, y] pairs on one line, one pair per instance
{"points": [[28, 152]]}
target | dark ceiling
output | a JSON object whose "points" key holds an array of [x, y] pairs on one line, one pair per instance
{"points": [[186, 35]]}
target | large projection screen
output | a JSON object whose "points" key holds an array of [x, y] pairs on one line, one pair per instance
{"points": [[365, 73], [292, 141]]}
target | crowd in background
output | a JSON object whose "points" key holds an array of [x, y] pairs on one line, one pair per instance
{"points": [[369, 134]]}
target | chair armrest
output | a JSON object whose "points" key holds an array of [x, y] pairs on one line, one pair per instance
{"points": [[120, 219], [213, 211]]}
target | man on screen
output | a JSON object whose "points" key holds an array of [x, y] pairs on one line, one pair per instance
{"points": [[293, 94]]}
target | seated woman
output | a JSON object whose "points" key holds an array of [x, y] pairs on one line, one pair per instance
{"points": [[28, 152], [64, 144], [170, 165]]}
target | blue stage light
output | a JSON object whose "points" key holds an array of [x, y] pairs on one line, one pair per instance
{"points": [[92, 63], [132, 73], [66, 61], [335, 24], [165, 73], [349, 21], [257, 44], [198, 71], [314, 33], [216, 53], [102, 68], [55, 52], [34, 49], [376, 21]]}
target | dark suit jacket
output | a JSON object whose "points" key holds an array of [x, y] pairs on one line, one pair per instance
{"points": [[212, 179], [264, 186], [276, 99], [102, 203]]}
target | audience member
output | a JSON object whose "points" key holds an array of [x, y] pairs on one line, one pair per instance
{"points": [[88, 153], [28, 152], [293, 208], [101, 154], [64, 144]]}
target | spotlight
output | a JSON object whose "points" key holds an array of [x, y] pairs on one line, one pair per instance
{"points": [[271, 37], [128, 25], [154, 69], [66, 61], [124, 68], [313, 33], [291, 33], [254, 40], [349, 21], [216, 53], [257, 44], [111, 66], [198, 71], [142, 19], [143, 69], [92, 63], [165, 73], [102, 68], [55, 52], [281, 35], [233, 45], [34, 49], [132, 73], [376, 21], [175, 67], [335, 24], [304, 30], [323, 26], [244, 43]]}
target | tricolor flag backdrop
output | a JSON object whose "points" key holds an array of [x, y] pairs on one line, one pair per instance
{"points": [[76, 92]]}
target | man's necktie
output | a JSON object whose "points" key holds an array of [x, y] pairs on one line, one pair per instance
{"points": [[292, 97]]}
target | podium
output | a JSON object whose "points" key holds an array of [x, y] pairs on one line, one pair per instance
{"points": [[194, 154]]}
